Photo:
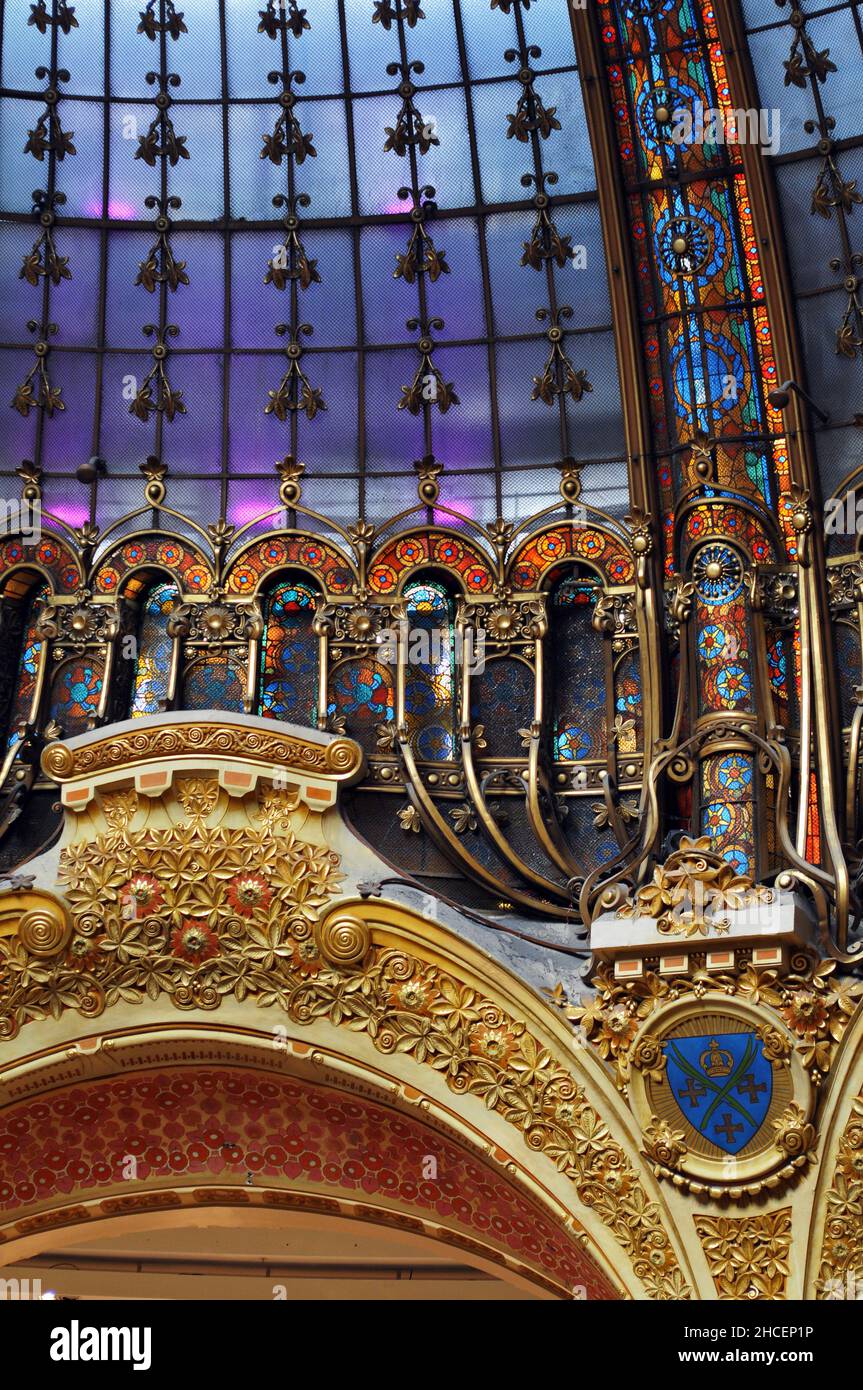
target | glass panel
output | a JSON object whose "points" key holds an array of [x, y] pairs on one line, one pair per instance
{"points": [[580, 730], [75, 693], [150, 681], [430, 676], [28, 663], [289, 656]]}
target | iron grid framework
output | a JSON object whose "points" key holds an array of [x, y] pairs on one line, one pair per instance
{"points": [[497, 94]]}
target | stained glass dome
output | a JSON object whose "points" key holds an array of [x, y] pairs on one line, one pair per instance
{"points": [[290, 210]]}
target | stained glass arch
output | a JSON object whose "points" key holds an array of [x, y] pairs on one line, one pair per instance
{"points": [[154, 649], [289, 671], [430, 682]]}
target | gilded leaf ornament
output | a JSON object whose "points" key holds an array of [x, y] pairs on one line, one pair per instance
{"points": [[200, 913]]}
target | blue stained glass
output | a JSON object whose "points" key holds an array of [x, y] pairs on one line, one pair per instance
{"points": [[363, 687], [430, 683], [214, 683], [75, 693], [579, 729], [28, 663], [150, 680], [289, 656]]}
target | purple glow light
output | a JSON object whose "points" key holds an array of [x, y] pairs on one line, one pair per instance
{"points": [[463, 505], [396, 205], [73, 513], [240, 512], [117, 211]]}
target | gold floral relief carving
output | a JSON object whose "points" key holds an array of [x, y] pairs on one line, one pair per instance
{"points": [[276, 805], [119, 807], [840, 1268], [811, 1002], [198, 797], [692, 889], [179, 913], [748, 1256]]}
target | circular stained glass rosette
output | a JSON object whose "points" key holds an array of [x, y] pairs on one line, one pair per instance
{"points": [[572, 744], [735, 774], [718, 574], [703, 240], [733, 686], [710, 394]]}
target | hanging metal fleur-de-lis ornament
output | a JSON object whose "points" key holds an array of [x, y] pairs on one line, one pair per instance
{"points": [[161, 140], [428, 386], [41, 17], [546, 242], [155, 394], [43, 259], [388, 11], [289, 261], [173, 24], [41, 394], [849, 334], [294, 391], [277, 15], [287, 137], [410, 129], [530, 115], [559, 377], [160, 266], [48, 136], [831, 190], [422, 256]]}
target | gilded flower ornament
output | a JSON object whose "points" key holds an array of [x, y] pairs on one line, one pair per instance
{"points": [[664, 1144], [690, 890]]}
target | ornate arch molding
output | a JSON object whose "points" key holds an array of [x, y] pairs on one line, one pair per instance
{"points": [[596, 545], [166, 923], [149, 551], [50, 557], [834, 1264], [263, 560], [400, 558]]}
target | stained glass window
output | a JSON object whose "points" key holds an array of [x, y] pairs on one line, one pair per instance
{"points": [[430, 677], [362, 695], [75, 692], [502, 700], [579, 677], [724, 681], [289, 656], [28, 663], [152, 664], [707, 339], [214, 682]]}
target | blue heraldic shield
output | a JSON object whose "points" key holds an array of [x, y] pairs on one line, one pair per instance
{"points": [[722, 1085]]}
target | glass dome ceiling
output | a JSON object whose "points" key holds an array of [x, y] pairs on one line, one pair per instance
{"points": [[334, 223]]}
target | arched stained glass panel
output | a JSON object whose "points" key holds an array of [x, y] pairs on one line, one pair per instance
{"points": [[430, 676], [579, 673], [30, 650], [152, 665], [289, 656]]}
